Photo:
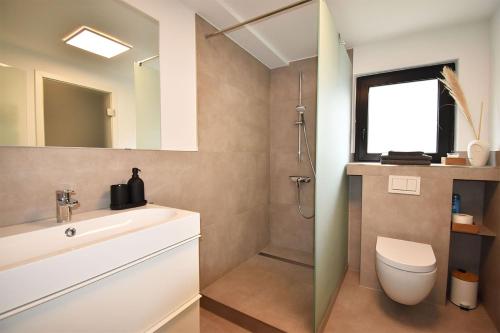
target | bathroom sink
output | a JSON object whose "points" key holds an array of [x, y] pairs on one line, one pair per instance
{"points": [[40, 260]]}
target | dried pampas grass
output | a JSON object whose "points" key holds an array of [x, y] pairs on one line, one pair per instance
{"points": [[452, 84]]}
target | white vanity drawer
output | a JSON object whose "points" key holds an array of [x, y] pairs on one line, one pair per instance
{"points": [[132, 300]]}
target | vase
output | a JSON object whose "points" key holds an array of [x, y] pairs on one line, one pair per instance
{"points": [[478, 152]]}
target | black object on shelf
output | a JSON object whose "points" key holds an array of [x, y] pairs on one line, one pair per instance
{"points": [[119, 194], [406, 158], [128, 205], [130, 195]]}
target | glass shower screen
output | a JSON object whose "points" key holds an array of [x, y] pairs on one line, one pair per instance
{"points": [[333, 150]]}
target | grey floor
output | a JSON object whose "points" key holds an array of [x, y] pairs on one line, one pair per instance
{"points": [[359, 309], [280, 294]]}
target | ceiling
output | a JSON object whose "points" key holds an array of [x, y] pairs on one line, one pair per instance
{"points": [[38, 26], [275, 41], [364, 21], [292, 35]]}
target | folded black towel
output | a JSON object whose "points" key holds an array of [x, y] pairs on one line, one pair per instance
{"points": [[422, 157], [410, 153], [406, 162]]}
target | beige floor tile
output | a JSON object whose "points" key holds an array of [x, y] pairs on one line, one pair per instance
{"points": [[360, 309], [275, 292]]}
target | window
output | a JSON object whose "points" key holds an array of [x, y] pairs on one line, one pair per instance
{"points": [[407, 110]]}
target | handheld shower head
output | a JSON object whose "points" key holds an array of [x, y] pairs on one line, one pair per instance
{"points": [[300, 88], [300, 108]]}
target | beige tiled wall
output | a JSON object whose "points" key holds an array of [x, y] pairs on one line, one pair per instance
{"points": [[226, 181], [288, 228]]}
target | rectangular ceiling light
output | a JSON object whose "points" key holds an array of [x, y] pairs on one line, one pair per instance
{"points": [[96, 42]]}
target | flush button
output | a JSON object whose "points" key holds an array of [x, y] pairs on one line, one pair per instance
{"points": [[399, 183], [404, 185], [411, 185]]}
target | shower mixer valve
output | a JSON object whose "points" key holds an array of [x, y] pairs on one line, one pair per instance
{"points": [[300, 179]]}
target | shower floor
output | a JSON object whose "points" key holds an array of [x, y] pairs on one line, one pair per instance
{"points": [[274, 292]]}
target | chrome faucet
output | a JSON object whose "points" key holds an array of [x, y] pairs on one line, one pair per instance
{"points": [[65, 205]]}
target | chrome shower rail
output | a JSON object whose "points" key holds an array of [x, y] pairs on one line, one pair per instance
{"points": [[140, 62], [257, 18]]}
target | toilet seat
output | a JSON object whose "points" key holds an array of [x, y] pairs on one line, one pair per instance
{"points": [[405, 255]]}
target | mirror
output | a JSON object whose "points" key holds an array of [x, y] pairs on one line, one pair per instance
{"points": [[78, 74]]}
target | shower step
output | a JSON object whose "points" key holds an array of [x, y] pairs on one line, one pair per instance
{"points": [[237, 317], [274, 292]]}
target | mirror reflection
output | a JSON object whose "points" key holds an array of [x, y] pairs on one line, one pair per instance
{"points": [[78, 74]]}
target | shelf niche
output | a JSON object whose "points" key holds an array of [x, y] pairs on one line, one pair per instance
{"points": [[479, 252]]}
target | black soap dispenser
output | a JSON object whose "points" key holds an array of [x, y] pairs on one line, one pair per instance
{"points": [[136, 189]]}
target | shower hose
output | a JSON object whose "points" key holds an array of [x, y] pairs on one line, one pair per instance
{"points": [[299, 201]]}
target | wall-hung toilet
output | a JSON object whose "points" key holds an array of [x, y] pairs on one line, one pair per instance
{"points": [[406, 270]]}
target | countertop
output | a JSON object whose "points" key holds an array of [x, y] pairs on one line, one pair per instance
{"points": [[487, 173]]}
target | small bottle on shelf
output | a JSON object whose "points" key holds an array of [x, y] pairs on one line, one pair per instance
{"points": [[455, 203]]}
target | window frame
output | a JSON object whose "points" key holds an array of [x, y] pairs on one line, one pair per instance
{"points": [[445, 114]]}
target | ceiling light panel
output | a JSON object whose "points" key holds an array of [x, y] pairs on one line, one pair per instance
{"points": [[96, 42]]}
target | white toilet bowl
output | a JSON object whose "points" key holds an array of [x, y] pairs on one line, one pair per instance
{"points": [[406, 270]]}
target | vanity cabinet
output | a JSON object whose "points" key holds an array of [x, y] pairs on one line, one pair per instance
{"points": [[135, 270]]}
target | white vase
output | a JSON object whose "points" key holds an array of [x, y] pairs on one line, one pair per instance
{"points": [[478, 152]]}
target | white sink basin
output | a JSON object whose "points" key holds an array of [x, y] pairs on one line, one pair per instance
{"points": [[39, 260]]}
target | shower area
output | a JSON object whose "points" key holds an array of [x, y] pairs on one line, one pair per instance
{"points": [[276, 266], [274, 288]]}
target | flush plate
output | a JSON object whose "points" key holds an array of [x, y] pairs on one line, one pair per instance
{"points": [[404, 185]]}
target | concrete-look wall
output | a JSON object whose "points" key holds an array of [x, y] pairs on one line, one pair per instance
{"points": [[226, 181], [468, 44], [288, 228], [495, 81], [490, 269], [490, 286]]}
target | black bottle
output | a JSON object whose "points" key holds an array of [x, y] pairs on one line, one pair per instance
{"points": [[136, 188]]}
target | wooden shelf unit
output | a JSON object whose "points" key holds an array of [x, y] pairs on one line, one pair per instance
{"points": [[483, 230]]}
